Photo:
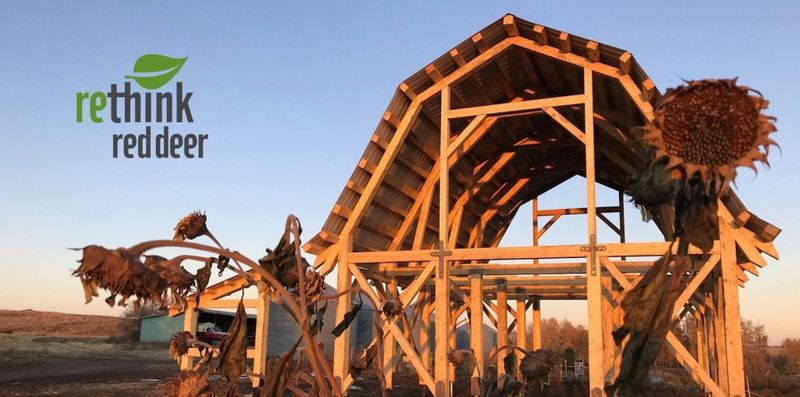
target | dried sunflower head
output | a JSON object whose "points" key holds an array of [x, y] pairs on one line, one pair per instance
{"points": [[710, 127], [392, 308], [537, 364], [191, 227], [180, 343], [189, 384], [222, 264], [120, 272]]}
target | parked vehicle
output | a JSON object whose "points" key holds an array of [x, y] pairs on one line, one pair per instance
{"points": [[209, 333]]}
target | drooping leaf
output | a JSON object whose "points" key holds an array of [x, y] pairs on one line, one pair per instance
{"points": [[277, 373], [233, 351], [161, 68], [348, 318]]}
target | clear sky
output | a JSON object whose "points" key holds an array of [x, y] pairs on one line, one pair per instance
{"points": [[290, 96]]}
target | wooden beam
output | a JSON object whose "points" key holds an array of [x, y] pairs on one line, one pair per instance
{"points": [[442, 280], [502, 327], [593, 51], [593, 272], [380, 171], [693, 367], [341, 345], [425, 330], [522, 252], [190, 325], [510, 25], [262, 334], [456, 146], [476, 327], [571, 128], [522, 327], [564, 43], [516, 107], [698, 279], [540, 34], [730, 295], [625, 62]]}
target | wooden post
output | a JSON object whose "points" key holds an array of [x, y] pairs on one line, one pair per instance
{"points": [[702, 343], [593, 287], [502, 328], [730, 294], [442, 281], [476, 327], [522, 327], [189, 324], [535, 221], [536, 325], [719, 334], [389, 359], [341, 346], [424, 329], [711, 334], [609, 346], [622, 218], [262, 330]]}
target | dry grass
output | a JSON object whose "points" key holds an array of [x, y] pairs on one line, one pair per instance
{"points": [[64, 324]]}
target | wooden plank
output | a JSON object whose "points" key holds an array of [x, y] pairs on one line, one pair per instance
{"points": [[698, 279], [484, 180], [577, 211], [262, 334], [564, 43], [540, 34], [412, 356], [693, 367], [523, 252], [593, 51], [379, 173], [510, 25], [536, 324], [625, 62], [522, 340], [189, 324], [502, 327], [560, 119], [442, 280], [422, 220], [730, 293], [593, 273], [480, 44], [516, 107], [425, 330], [206, 303], [341, 345], [456, 146], [476, 327]]}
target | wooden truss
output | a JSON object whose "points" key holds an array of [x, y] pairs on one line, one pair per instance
{"points": [[460, 270]]}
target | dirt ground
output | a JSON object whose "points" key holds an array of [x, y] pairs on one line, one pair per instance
{"points": [[57, 354]]}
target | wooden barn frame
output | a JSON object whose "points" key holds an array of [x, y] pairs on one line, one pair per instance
{"points": [[505, 116]]}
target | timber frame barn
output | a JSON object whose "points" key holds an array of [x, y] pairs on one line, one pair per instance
{"points": [[505, 116]]}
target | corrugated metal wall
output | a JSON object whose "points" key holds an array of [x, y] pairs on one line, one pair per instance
{"points": [[283, 330], [160, 328]]}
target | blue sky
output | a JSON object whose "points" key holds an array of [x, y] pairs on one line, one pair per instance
{"points": [[290, 95]]}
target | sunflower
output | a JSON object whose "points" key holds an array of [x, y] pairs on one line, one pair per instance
{"points": [[191, 227], [707, 128]]}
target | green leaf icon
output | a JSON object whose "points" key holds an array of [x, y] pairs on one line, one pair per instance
{"points": [[158, 70]]}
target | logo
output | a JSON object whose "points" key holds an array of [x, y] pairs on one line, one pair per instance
{"points": [[161, 68], [127, 105]]}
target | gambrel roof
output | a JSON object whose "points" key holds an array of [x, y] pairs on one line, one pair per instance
{"points": [[508, 160]]}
